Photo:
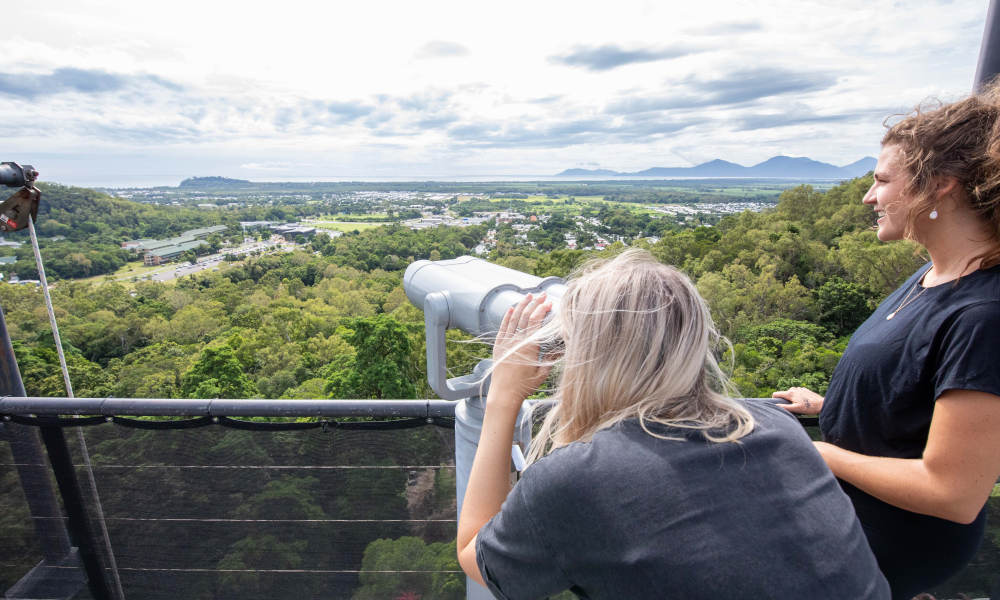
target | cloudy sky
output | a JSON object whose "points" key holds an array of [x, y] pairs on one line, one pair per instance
{"points": [[113, 92]]}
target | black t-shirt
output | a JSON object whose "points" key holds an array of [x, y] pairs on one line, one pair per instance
{"points": [[881, 397], [881, 400], [629, 515]]}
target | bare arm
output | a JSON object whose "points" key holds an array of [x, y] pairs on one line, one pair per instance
{"points": [[955, 475], [512, 381], [489, 481]]}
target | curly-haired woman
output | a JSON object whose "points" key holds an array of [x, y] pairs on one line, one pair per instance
{"points": [[911, 420]]}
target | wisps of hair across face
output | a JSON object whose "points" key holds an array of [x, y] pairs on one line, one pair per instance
{"points": [[638, 343]]}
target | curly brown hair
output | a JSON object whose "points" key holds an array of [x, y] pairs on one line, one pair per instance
{"points": [[960, 140]]}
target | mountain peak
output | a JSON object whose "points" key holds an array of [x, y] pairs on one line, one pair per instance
{"points": [[783, 167], [717, 162], [862, 165]]}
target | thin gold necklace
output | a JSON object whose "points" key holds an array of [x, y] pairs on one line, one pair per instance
{"points": [[906, 301]]}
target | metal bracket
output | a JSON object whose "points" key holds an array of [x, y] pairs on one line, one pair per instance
{"points": [[436, 315]]}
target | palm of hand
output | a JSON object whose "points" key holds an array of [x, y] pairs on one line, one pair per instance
{"points": [[516, 365]]}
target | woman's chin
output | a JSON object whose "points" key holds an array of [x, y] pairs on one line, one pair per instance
{"points": [[887, 235]]}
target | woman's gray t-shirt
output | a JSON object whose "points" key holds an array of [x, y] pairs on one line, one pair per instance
{"points": [[629, 515]]}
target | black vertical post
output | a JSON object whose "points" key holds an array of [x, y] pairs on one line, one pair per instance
{"points": [[27, 452], [988, 65], [79, 526], [38, 490]]}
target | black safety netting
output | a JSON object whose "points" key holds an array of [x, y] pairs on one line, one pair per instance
{"points": [[250, 509], [239, 509]]}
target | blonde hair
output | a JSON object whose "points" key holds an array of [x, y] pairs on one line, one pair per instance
{"points": [[637, 342]]}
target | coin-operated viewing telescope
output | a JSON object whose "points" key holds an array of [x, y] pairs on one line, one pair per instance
{"points": [[470, 294]]}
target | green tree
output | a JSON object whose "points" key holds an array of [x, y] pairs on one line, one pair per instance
{"points": [[150, 372], [430, 570], [239, 577], [217, 374], [42, 375], [876, 265], [740, 298], [382, 366], [842, 306], [559, 263], [784, 353]]}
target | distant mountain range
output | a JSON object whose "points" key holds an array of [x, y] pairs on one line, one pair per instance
{"points": [[786, 167]]}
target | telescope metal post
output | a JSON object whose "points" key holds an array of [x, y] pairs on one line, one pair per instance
{"points": [[469, 414]]}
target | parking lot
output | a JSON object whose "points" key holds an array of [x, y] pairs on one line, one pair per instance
{"points": [[212, 261]]}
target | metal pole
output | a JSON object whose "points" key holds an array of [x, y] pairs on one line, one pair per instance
{"points": [[988, 65], [27, 452], [218, 407], [987, 68], [468, 427], [26, 449], [62, 466]]}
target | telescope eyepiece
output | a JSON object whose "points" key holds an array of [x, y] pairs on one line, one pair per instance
{"points": [[14, 175], [473, 295]]}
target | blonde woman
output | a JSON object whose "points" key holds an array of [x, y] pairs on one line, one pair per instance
{"points": [[648, 481]]}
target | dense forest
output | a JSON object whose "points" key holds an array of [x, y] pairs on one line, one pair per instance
{"points": [[786, 287]]}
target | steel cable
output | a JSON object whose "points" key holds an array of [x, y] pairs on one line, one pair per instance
{"points": [[69, 393]]}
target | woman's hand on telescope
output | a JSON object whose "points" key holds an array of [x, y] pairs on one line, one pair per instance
{"points": [[517, 372], [801, 401]]}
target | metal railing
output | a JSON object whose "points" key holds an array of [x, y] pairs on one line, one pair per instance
{"points": [[223, 407], [70, 545], [67, 544]]}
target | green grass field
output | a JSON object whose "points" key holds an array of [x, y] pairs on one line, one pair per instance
{"points": [[348, 218], [546, 199], [344, 225], [564, 205]]}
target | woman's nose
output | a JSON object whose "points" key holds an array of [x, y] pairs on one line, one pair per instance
{"points": [[869, 197]]}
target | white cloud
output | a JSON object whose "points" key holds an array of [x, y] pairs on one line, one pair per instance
{"points": [[346, 89], [280, 166], [441, 49]]}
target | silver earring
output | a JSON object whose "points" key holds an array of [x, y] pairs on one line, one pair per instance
{"points": [[933, 215]]}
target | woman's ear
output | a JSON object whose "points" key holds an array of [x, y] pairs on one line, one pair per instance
{"points": [[946, 188]]}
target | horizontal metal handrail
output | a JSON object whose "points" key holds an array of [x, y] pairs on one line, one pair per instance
{"points": [[241, 407], [223, 407]]}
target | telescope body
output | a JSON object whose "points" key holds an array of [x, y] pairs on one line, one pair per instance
{"points": [[478, 292], [473, 295], [14, 175]]}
